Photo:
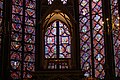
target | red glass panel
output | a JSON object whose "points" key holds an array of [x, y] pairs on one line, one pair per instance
{"points": [[15, 74], [15, 55], [29, 57], [31, 4], [17, 9]]}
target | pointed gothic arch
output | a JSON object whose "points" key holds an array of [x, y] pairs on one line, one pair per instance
{"points": [[57, 12], [57, 7], [60, 19], [24, 23]]}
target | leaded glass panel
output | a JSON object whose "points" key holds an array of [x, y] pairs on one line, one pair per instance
{"points": [[116, 35], [1, 21], [91, 37], [57, 45], [22, 54]]}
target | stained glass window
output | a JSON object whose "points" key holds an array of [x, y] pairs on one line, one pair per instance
{"points": [[1, 30], [57, 45], [91, 38], [22, 53], [50, 1], [1, 20], [116, 35]]}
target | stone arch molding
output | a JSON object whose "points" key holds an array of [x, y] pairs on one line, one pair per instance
{"points": [[57, 11]]}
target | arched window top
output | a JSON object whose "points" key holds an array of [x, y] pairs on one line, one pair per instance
{"points": [[57, 15], [63, 1]]}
